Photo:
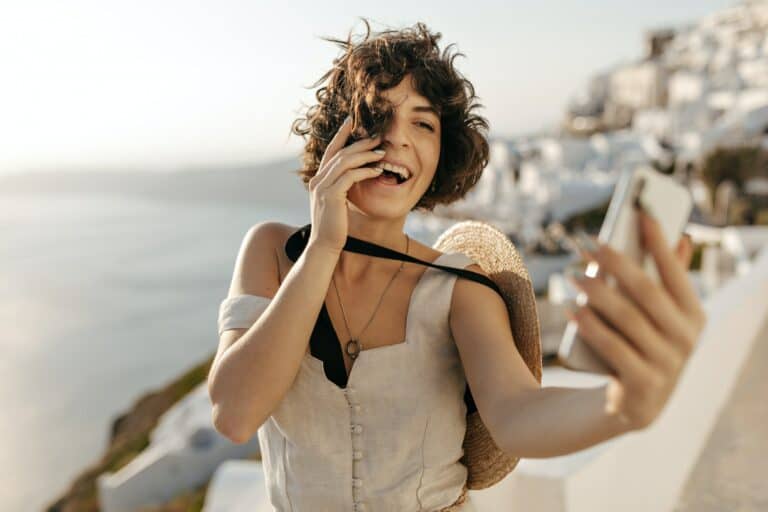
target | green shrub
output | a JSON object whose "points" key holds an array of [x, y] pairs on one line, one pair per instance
{"points": [[736, 164], [130, 436]]}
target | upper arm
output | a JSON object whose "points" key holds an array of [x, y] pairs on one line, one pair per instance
{"points": [[256, 267], [494, 368], [256, 271]]}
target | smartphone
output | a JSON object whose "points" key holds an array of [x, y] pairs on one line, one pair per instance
{"points": [[664, 198]]}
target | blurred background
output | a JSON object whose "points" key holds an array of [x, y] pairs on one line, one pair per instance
{"points": [[139, 141]]}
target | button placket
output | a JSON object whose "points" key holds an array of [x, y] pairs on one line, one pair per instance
{"points": [[356, 430]]}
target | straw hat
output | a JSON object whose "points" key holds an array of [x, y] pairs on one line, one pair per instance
{"points": [[497, 256]]}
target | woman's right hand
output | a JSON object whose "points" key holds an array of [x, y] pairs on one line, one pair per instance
{"points": [[340, 168]]}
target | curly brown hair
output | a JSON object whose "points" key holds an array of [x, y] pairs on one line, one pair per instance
{"points": [[380, 61]]}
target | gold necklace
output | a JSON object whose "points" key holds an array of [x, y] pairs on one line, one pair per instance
{"points": [[354, 346]]}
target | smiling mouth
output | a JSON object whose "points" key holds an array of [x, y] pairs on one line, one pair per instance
{"points": [[392, 176], [393, 173]]}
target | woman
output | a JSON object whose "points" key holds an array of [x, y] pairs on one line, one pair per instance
{"points": [[352, 369]]}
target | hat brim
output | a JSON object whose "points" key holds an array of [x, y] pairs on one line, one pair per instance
{"points": [[496, 255]]}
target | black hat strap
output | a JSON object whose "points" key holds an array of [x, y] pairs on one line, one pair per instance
{"points": [[359, 246]]}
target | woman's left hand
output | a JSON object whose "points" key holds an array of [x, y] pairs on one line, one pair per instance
{"points": [[643, 329]]}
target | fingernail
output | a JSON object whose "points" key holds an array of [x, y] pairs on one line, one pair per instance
{"points": [[347, 119], [380, 151]]}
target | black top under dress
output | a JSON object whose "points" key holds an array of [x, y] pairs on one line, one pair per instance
{"points": [[324, 343]]}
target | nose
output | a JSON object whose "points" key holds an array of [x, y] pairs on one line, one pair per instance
{"points": [[396, 136]]}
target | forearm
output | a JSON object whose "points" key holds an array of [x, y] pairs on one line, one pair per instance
{"points": [[252, 376], [554, 421]]}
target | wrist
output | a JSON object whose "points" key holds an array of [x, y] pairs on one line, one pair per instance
{"points": [[322, 251], [616, 419]]}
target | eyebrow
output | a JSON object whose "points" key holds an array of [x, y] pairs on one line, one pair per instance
{"points": [[426, 108]]}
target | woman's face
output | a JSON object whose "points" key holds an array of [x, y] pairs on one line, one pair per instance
{"points": [[412, 141]]}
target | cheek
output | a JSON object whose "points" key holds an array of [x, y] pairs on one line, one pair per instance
{"points": [[425, 180], [431, 154]]}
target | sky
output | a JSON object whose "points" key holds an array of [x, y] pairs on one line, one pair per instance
{"points": [[172, 84]]}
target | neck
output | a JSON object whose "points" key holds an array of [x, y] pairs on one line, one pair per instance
{"points": [[381, 231]]}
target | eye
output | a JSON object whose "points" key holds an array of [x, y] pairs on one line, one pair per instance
{"points": [[426, 125]]}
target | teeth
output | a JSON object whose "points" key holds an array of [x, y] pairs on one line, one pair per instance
{"points": [[402, 171]]}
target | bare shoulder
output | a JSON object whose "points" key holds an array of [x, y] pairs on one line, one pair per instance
{"points": [[423, 251], [260, 259], [469, 295], [476, 268]]}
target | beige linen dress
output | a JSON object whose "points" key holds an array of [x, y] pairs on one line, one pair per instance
{"points": [[391, 440]]}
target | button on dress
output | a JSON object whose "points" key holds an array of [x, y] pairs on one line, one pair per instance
{"points": [[391, 438]]}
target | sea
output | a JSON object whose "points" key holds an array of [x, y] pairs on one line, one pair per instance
{"points": [[103, 297]]}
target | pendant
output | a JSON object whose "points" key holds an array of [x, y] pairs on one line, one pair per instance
{"points": [[353, 349]]}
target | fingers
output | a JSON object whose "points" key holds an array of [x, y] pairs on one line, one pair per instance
{"points": [[586, 245], [630, 321], [684, 251], [337, 142], [648, 295], [673, 274], [345, 161], [332, 164], [612, 348], [352, 176]]}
